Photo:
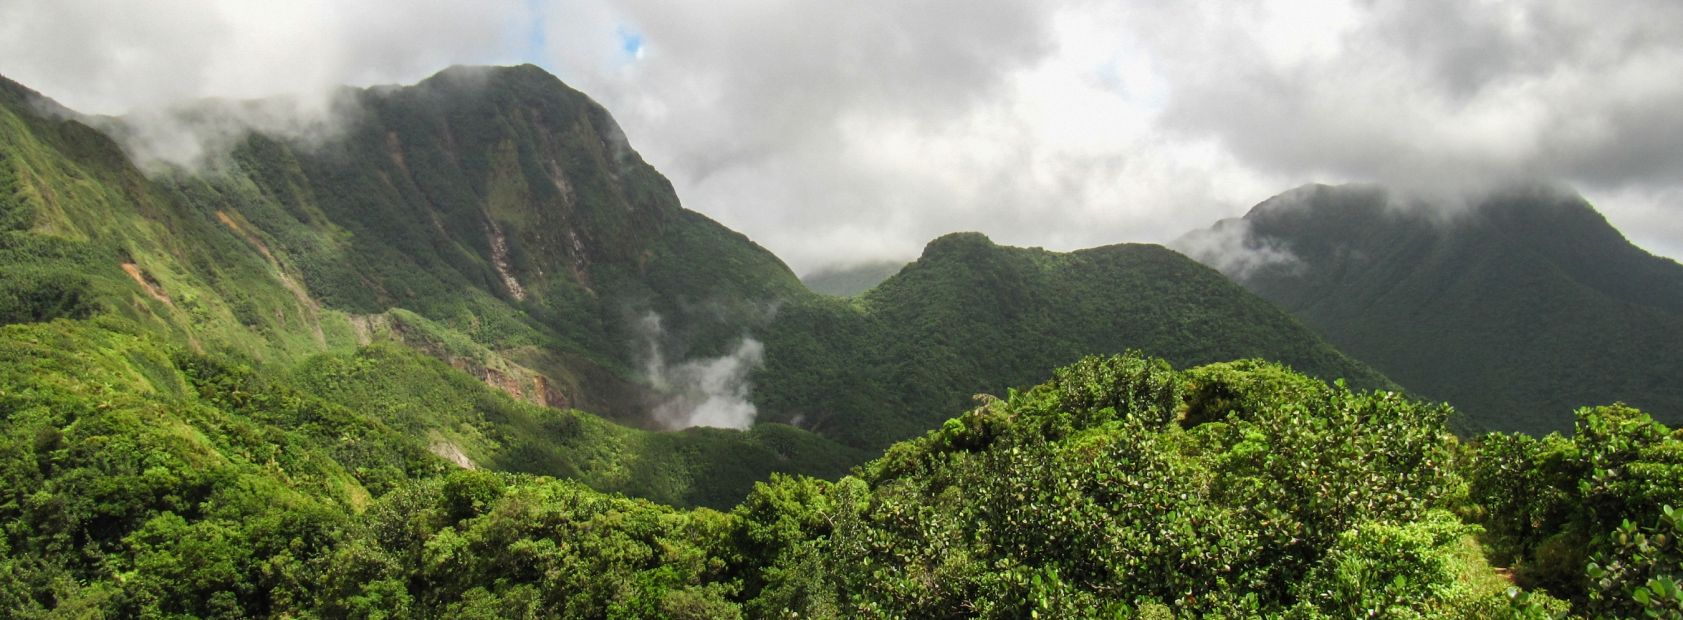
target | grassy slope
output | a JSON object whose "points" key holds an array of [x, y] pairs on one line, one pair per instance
{"points": [[1517, 312], [77, 215]]}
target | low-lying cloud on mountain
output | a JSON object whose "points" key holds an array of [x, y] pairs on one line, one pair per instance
{"points": [[849, 132]]}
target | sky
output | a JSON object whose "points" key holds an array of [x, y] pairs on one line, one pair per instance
{"points": [[839, 132]]}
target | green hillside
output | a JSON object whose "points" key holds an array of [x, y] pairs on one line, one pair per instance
{"points": [[1520, 308], [141, 481], [498, 204], [294, 263], [972, 317], [495, 219]]}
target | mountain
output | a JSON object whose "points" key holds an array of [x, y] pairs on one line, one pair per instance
{"points": [[492, 219], [1516, 309], [498, 220], [853, 280], [971, 317], [498, 203], [358, 373]]}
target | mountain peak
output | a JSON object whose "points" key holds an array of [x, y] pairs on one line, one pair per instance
{"points": [[469, 74], [1443, 295], [957, 243]]}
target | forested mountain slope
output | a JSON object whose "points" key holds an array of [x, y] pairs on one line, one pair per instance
{"points": [[1515, 309], [497, 203], [498, 220], [288, 256], [973, 317]]}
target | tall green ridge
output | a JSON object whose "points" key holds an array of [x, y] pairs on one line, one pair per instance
{"points": [[490, 218], [1517, 308], [972, 317]]}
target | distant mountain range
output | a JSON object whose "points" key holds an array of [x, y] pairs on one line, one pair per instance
{"points": [[1517, 308]]}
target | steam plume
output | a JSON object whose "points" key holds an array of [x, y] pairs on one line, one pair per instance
{"points": [[701, 392]]}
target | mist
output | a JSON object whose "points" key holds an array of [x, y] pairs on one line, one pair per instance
{"points": [[712, 391], [1229, 247], [200, 137]]}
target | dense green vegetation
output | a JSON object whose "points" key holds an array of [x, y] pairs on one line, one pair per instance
{"points": [[1516, 309], [973, 317], [1590, 517], [145, 481]]}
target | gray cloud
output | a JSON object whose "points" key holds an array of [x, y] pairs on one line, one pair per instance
{"points": [[115, 57], [198, 138], [192, 76], [845, 132], [1449, 96], [1230, 248]]}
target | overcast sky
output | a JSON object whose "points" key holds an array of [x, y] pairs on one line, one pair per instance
{"points": [[845, 131]]}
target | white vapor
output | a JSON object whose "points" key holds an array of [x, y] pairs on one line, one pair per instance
{"points": [[1229, 247], [700, 392], [200, 137]]}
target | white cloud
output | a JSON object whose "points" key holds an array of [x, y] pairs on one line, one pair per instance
{"points": [[840, 132], [712, 391], [114, 57]]}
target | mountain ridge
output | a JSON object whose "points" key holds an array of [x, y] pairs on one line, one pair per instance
{"points": [[496, 219], [1525, 302]]}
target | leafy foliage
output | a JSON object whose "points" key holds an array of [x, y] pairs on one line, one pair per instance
{"points": [[139, 481], [971, 317], [1588, 518]]}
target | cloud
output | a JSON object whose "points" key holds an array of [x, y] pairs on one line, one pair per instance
{"points": [[1441, 94], [859, 131], [155, 62], [839, 133], [1229, 247], [198, 137], [700, 392], [846, 132], [112, 58]]}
